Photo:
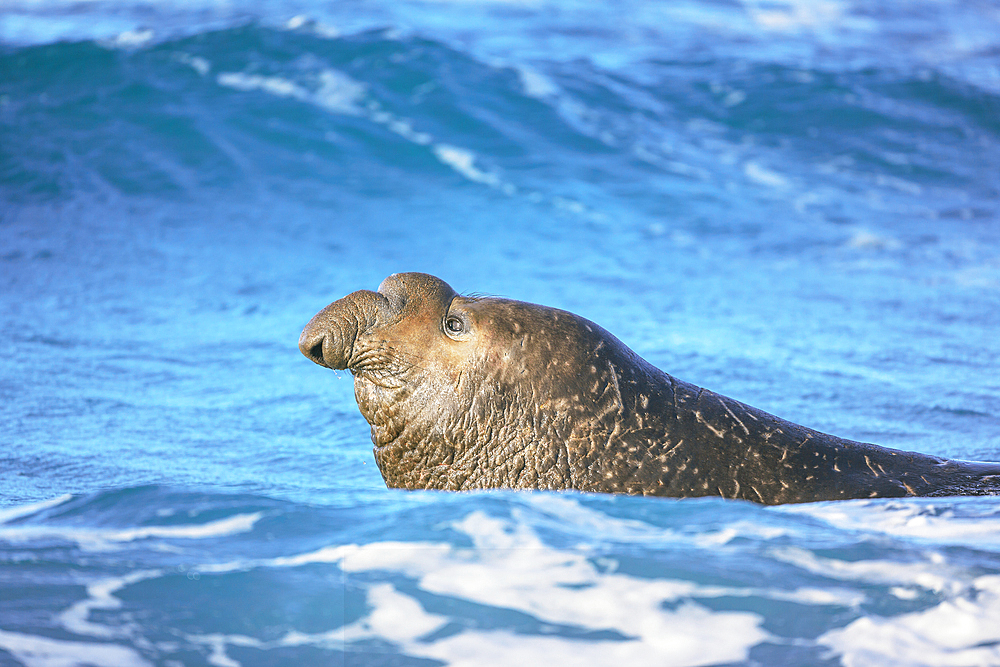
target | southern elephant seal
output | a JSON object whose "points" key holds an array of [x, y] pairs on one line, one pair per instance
{"points": [[471, 393]]}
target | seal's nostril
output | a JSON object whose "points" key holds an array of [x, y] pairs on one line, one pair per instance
{"points": [[316, 352]]}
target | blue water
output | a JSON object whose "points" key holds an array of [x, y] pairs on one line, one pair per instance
{"points": [[792, 203]]}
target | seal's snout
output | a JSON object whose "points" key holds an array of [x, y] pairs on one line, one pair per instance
{"points": [[330, 337], [311, 346]]}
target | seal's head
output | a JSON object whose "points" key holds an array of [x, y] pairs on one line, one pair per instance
{"points": [[471, 392]]}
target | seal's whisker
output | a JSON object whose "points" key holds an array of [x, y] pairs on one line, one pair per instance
{"points": [[407, 356]]}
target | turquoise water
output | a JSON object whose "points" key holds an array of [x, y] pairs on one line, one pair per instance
{"points": [[793, 204]]}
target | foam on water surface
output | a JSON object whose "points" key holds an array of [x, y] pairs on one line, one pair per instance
{"points": [[34, 651], [604, 602]]}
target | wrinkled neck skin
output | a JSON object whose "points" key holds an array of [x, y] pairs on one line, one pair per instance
{"points": [[486, 418]]}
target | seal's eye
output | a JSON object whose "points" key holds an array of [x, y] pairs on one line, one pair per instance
{"points": [[454, 325]]}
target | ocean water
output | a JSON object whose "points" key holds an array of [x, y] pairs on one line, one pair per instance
{"points": [[793, 203]]}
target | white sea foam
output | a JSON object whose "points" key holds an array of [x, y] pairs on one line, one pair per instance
{"points": [[11, 513], [76, 618], [791, 15], [674, 638], [536, 84], [658, 620], [511, 568], [35, 651], [763, 176], [129, 39], [335, 91], [197, 63], [912, 520], [394, 617], [464, 162], [933, 573], [572, 511], [339, 93], [959, 632], [218, 643], [93, 539], [275, 85], [238, 523], [303, 22], [404, 128]]}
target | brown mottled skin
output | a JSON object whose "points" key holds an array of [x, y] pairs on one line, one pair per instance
{"points": [[473, 393]]}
